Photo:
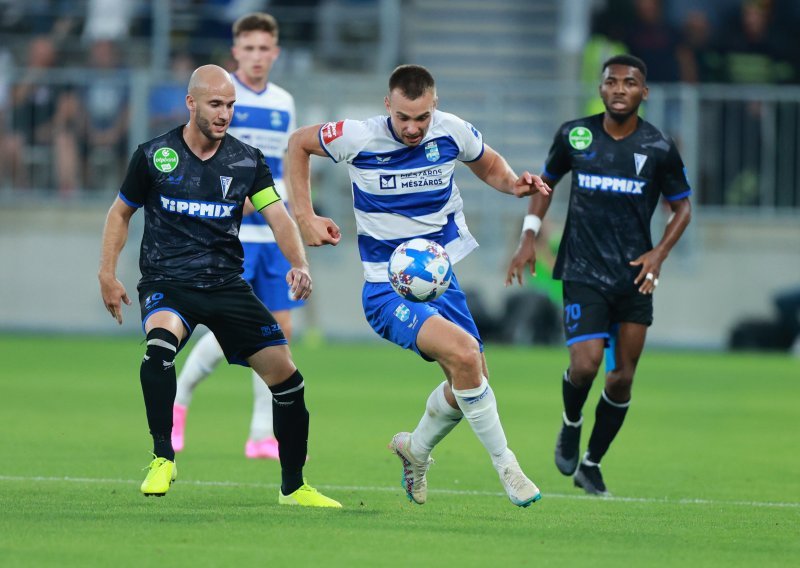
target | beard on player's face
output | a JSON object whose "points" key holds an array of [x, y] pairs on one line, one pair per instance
{"points": [[205, 127]]}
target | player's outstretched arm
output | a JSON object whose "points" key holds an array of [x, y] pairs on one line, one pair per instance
{"points": [[651, 261], [115, 234], [288, 238], [493, 169], [315, 230], [525, 255]]}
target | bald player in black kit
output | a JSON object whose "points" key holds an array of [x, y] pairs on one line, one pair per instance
{"points": [[192, 183]]}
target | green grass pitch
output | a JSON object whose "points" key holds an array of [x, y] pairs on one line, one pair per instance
{"points": [[706, 471]]}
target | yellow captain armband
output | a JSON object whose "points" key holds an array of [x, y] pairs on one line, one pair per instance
{"points": [[266, 196]]}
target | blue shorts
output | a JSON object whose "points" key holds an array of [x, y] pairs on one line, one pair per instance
{"points": [[399, 321], [265, 269]]}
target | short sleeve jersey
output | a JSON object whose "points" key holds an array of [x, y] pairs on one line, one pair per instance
{"points": [[616, 186], [401, 192], [193, 208], [264, 119]]}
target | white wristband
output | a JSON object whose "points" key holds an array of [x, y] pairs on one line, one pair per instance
{"points": [[532, 223]]}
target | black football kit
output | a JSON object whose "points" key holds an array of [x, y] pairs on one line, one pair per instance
{"points": [[616, 187], [191, 257]]}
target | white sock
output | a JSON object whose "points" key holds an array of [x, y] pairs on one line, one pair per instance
{"points": [[261, 423], [203, 359], [480, 408], [436, 423]]}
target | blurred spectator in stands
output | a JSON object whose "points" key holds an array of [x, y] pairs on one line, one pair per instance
{"points": [[107, 19], [651, 38], [34, 106], [95, 124], [701, 62], [605, 40], [754, 48], [167, 102]]}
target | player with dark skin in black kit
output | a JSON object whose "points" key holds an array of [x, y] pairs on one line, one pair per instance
{"points": [[621, 167]]}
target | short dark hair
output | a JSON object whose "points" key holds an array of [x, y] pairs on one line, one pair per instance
{"points": [[412, 80], [256, 22], [629, 60]]}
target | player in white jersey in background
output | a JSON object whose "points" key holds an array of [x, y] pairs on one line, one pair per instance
{"points": [[264, 117], [401, 167]]}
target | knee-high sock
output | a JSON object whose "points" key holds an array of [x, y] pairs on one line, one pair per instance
{"points": [[157, 376], [480, 409], [203, 359], [437, 421], [261, 422], [609, 417], [574, 398], [290, 418]]}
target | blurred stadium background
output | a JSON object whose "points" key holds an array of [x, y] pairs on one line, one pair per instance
{"points": [[82, 82]]}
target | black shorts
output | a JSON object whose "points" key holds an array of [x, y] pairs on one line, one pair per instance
{"points": [[590, 312], [233, 313]]}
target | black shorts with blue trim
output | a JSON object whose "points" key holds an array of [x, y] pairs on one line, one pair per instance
{"points": [[237, 318], [590, 311]]}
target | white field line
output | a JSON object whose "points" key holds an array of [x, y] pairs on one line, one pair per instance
{"points": [[368, 489]]}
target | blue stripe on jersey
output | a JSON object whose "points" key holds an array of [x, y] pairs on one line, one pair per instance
{"points": [[443, 150], [128, 202], [408, 204], [261, 118], [375, 250], [275, 166], [679, 196]]}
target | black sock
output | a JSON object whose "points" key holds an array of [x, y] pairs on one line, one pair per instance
{"points": [[290, 422], [609, 417], [157, 375], [574, 397]]}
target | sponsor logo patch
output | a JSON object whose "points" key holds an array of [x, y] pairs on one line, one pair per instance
{"points": [[331, 131], [580, 137], [165, 159], [197, 208], [388, 182], [612, 184]]}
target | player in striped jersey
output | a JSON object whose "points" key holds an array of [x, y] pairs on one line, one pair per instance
{"points": [[401, 167], [264, 117]]}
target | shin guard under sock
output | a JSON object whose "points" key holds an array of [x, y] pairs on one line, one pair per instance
{"points": [[290, 419], [574, 398], [157, 376], [609, 417]]}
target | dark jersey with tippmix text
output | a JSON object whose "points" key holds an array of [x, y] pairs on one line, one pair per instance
{"points": [[616, 186], [193, 208]]}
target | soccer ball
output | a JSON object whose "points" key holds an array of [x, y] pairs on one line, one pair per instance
{"points": [[420, 270]]}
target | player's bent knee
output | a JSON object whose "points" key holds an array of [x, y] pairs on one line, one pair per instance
{"points": [[582, 371]]}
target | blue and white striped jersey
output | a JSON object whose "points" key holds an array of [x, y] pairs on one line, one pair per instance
{"points": [[265, 120], [401, 192]]}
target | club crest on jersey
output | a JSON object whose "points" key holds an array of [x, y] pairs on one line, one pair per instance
{"points": [[165, 159], [639, 160], [580, 137], [225, 182], [432, 151], [276, 120]]}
